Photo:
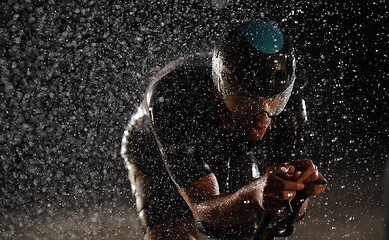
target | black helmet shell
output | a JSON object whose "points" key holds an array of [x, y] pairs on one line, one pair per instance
{"points": [[253, 57]]}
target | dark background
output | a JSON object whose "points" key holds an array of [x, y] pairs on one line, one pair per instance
{"points": [[72, 73]]}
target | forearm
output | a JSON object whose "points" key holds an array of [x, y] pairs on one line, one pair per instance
{"points": [[227, 210]]}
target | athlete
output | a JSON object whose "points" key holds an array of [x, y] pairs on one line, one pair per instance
{"points": [[215, 146]]}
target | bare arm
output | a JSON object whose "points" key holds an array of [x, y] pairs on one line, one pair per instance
{"points": [[221, 211]]}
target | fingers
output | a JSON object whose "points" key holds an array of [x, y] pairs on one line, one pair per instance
{"points": [[284, 170], [321, 177], [291, 169], [284, 180], [279, 168], [313, 188], [283, 184], [308, 170], [281, 194], [296, 175], [281, 189]]}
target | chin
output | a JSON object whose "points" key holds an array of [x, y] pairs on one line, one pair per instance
{"points": [[254, 137]]}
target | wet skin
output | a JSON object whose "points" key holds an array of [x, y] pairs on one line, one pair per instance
{"points": [[251, 116]]}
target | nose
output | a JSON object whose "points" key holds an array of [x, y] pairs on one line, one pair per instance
{"points": [[263, 117], [264, 105]]}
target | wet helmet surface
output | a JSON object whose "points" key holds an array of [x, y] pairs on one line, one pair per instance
{"points": [[254, 58]]}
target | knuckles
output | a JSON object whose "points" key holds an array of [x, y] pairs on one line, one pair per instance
{"points": [[310, 165], [274, 193]]}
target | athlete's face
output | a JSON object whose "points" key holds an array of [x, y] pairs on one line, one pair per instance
{"points": [[251, 115]]}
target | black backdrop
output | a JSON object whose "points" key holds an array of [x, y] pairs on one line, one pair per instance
{"points": [[72, 73]]}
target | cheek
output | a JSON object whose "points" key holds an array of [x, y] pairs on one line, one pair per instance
{"points": [[242, 119], [274, 104], [240, 114], [240, 107]]}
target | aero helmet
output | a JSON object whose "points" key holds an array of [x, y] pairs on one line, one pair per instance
{"points": [[254, 58]]}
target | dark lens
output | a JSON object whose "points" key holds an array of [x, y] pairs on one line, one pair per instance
{"points": [[279, 78]]}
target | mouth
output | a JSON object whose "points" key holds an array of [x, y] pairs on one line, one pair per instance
{"points": [[258, 130]]}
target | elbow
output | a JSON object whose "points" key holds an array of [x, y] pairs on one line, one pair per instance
{"points": [[203, 218], [200, 213]]}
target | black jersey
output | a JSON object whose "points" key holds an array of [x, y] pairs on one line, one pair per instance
{"points": [[175, 134], [181, 107]]}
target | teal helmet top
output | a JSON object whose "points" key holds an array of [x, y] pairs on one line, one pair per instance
{"points": [[254, 57], [263, 36]]}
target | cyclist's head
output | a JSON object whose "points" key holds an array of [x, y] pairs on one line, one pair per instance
{"points": [[253, 68]]}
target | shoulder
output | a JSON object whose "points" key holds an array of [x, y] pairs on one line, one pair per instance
{"points": [[179, 103], [180, 79], [184, 82], [187, 86], [136, 136]]}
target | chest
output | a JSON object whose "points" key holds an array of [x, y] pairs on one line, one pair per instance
{"points": [[233, 164]]}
